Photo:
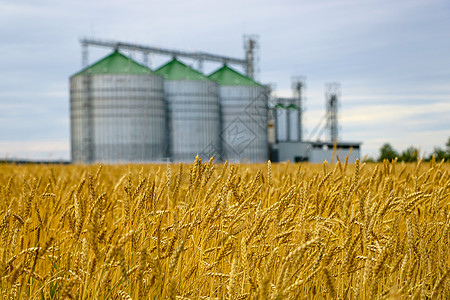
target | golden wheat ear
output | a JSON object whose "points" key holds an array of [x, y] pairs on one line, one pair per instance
{"points": [[225, 231]]}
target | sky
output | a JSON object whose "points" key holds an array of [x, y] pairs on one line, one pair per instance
{"points": [[391, 59]]}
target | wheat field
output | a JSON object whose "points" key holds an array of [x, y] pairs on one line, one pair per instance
{"points": [[223, 231]]}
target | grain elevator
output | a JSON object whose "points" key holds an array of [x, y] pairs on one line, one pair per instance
{"points": [[122, 111]]}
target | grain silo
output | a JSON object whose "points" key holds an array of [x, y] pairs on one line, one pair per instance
{"points": [[244, 116], [118, 112], [287, 120], [193, 110]]}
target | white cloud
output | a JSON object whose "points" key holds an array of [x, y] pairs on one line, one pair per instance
{"points": [[373, 113]]}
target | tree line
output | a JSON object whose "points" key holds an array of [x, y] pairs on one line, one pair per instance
{"points": [[412, 154]]}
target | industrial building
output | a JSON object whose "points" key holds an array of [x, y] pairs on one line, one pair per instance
{"points": [[315, 152], [288, 143], [121, 111]]}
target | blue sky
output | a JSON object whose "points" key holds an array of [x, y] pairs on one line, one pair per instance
{"points": [[391, 58]]}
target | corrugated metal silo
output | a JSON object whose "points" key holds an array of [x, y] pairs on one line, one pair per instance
{"points": [[293, 112], [281, 121], [194, 112], [118, 113], [244, 116], [287, 120]]}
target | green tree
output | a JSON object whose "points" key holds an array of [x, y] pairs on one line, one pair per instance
{"points": [[440, 154], [410, 155], [387, 152]]}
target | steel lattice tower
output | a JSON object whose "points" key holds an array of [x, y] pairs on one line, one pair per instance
{"points": [[332, 95], [298, 84]]}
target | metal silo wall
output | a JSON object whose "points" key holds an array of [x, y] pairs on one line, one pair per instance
{"points": [[79, 116], [118, 118], [244, 123], [75, 120], [294, 125], [194, 119], [282, 124]]}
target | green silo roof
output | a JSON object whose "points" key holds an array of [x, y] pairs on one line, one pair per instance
{"points": [[228, 76], [176, 70], [115, 63], [290, 106]]}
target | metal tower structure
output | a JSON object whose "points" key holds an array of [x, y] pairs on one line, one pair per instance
{"points": [[298, 83], [251, 45], [332, 95], [248, 63]]}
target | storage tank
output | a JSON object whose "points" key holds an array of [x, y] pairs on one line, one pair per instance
{"points": [[287, 120], [281, 123], [118, 113], [293, 113], [244, 116], [193, 110]]}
